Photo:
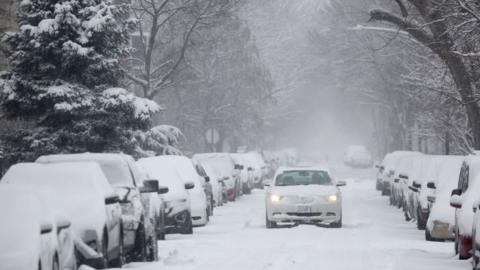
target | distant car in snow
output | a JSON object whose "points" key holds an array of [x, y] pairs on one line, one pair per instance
{"points": [[32, 236], [84, 196], [225, 166], [304, 195], [357, 156], [139, 233]]}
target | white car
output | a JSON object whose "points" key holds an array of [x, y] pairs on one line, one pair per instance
{"points": [[188, 174], [304, 195], [83, 195], [178, 218], [135, 192], [357, 156], [32, 236], [441, 219]]}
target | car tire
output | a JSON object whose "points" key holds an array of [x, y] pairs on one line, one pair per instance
{"points": [[420, 221], [140, 250], [207, 216], [188, 228], [55, 263], [152, 249], [475, 259], [121, 258], [269, 224]]}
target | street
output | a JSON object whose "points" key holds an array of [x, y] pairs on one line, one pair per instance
{"points": [[374, 236]]}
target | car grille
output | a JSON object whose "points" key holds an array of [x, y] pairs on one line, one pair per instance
{"points": [[317, 214]]}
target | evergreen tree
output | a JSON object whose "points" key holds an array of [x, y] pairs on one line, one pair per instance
{"points": [[65, 77]]}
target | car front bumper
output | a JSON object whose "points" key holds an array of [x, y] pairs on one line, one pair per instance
{"points": [[325, 213], [177, 222]]}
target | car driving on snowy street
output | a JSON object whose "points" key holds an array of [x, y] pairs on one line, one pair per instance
{"points": [[304, 195]]}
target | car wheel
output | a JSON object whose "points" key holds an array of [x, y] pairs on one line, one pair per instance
{"points": [[270, 224], [55, 264], [428, 235], [152, 249], [140, 250], [188, 228], [105, 251], [456, 242], [121, 259], [337, 224], [207, 216]]}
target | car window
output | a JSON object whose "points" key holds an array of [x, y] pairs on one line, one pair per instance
{"points": [[117, 173], [303, 177]]}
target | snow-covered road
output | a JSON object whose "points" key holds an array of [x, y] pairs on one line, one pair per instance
{"points": [[374, 236]]}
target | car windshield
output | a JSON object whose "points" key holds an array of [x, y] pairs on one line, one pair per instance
{"points": [[117, 173], [302, 177]]}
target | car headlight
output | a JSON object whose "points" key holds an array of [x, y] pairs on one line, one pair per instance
{"points": [[333, 198], [275, 198]]}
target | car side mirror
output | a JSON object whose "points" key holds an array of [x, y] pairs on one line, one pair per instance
{"points": [[341, 183], [431, 185], [431, 199], [402, 176], [456, 192], [112, 199], [189, 185], [63, 223], [412, 188], [238, 167], [456, 201], [162, 190], [150, 186], [416, 185], [46, 227], [396, 180], [207, 179]]}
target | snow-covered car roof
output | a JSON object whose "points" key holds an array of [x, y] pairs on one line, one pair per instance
{"points": [[113, 165]]}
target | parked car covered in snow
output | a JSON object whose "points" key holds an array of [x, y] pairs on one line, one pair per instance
{"points": [[198, 198], [177, 200], [441, 220], [207, 187], [244, 165], [140, 235], [84, 196], [462, 199], [32, 235], [225, 166], [219, 191], [304, 195]]}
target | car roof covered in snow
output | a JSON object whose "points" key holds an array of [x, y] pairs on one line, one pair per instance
{"points": [[112, 164]]}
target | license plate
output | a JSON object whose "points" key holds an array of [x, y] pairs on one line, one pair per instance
{"points": [[304, 209]]}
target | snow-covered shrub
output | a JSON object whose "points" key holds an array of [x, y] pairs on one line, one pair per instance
{"points": [[65, 77]]}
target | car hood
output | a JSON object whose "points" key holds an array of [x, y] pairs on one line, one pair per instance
{"points": [[304, 190]]}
